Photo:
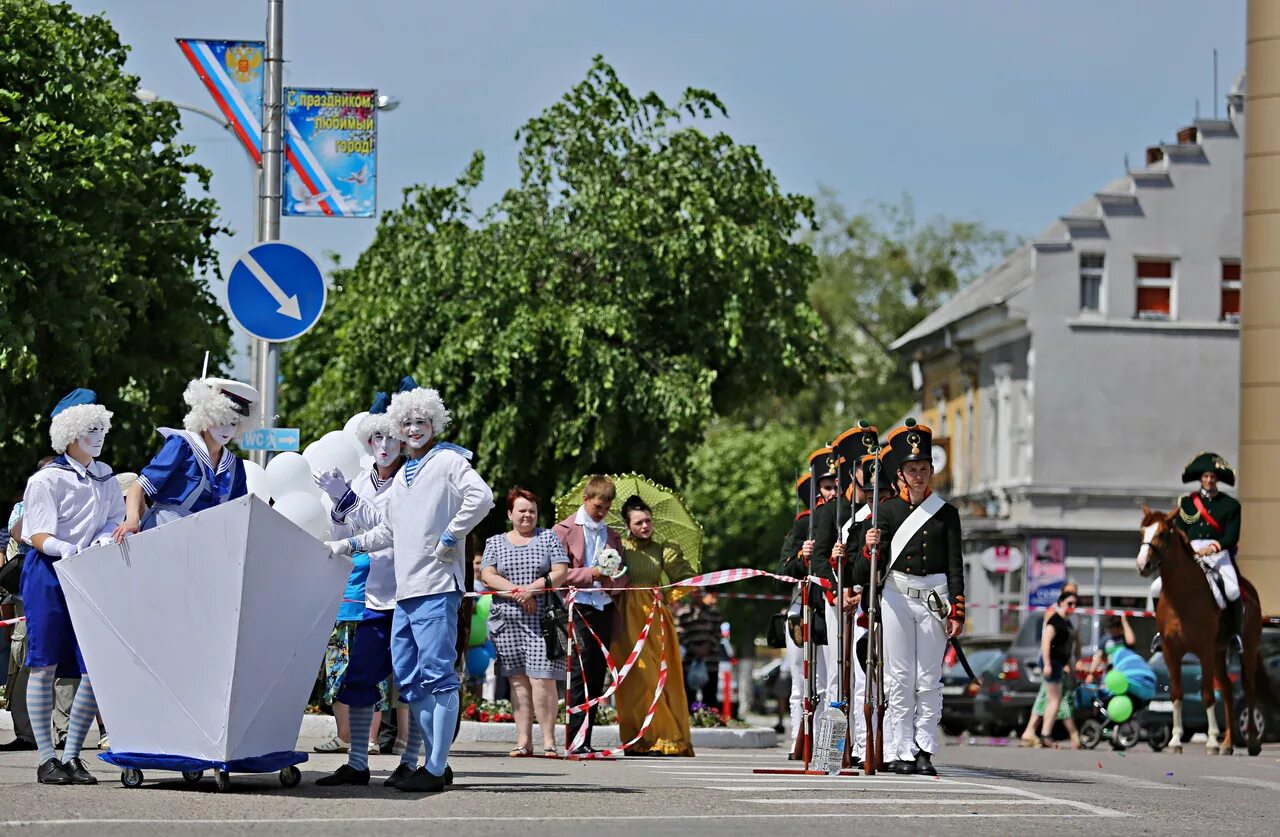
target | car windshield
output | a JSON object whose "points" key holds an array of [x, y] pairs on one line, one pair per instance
{"points": [[985, 659]]}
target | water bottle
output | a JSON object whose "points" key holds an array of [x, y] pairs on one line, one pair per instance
{"points": [[833, 727]]}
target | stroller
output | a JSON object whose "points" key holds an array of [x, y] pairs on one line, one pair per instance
{"points": [[1092, 699]]}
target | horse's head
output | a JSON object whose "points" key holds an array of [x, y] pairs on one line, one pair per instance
{"points": [[1158, 534]]}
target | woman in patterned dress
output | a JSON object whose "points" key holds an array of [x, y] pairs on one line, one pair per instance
{"points": [[520, 565], [651, 562]]}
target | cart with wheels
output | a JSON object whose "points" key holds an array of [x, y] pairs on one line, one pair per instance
{"points": [[204, 636], [193, 770]]}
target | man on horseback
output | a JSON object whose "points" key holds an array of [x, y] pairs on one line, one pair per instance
{"points": [[1211, 521]]}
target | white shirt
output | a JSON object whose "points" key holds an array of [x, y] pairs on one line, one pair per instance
{"points": [[447, 498], [72, 503], [595, 537], [380, 586]]}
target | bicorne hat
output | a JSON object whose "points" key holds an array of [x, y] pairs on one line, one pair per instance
{"points": [[1206, 461]]}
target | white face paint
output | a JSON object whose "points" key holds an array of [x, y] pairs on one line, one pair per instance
{"points": [[1144, 553], [91, 442], [224, 433], [416, 431], [385, 448]]}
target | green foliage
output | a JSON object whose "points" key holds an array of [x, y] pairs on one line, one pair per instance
{"points": [[100, 243], [643, 277], [881, 272]]}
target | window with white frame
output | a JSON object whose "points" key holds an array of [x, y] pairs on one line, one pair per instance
{"points": [[1154, 285], [1231, 290], [1091, 268]]}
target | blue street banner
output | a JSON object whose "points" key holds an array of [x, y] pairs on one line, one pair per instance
{"points": [[232, 73], [271, 438], [331, 153]]}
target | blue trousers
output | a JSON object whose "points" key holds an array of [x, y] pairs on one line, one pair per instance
{"points": [[368, 663], [424, 636]]}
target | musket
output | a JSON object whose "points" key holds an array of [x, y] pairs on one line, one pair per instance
{"points": [[842, 664], [872, 703]]}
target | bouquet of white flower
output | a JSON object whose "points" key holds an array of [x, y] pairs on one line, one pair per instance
{"points": [[610, 562]]}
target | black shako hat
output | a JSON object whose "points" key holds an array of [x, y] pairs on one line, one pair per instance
{"points": [[912, 442], [853, 444], [868, 464], [1206, 461]]}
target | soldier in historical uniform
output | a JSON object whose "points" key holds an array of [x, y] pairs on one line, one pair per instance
{"points": [[1211, 520], [923, 600]]}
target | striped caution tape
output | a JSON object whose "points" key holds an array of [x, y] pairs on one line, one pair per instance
{"points": [[619, 674]]}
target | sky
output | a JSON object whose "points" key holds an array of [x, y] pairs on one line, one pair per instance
{"points": [[1006, 111]]}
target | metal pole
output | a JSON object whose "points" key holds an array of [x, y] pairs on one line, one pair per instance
{"points": [[271, 192], [1097, 597]]}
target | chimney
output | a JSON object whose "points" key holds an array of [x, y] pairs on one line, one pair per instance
{"points": [[1154, 155], [1188, 136]]}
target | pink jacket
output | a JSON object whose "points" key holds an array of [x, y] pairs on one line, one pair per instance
{"points": [[574, 543]]}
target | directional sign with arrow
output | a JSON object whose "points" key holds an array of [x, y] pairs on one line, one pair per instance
{"points": [[276, 291]]}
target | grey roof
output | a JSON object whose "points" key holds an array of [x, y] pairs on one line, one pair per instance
{"points": [[991, 288]]}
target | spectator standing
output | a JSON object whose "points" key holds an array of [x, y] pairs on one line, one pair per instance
{"points": [[1057, 651], [584, 537], [523, 566], [1029, 737], [698, 623]]}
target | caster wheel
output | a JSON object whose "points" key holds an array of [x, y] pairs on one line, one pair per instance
{"points": [[131, 778], [1090, 734], [192, 776], [221, 779], [290, 776]]}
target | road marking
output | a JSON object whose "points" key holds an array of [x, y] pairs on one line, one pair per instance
{"points": [[1237, 780], [846, 789], [890, 800], [1121, 779]]}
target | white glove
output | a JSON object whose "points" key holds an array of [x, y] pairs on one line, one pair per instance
{"points": [[333, 483], [444, 551], [60, 548], [342, 547]]}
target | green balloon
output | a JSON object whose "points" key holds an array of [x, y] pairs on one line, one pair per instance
{"points": [[1115, 682], [1120, 708], [480, 622]]}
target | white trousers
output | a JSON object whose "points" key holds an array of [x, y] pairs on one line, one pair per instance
{"points": [[830, 684], [1219, 561], [795, 662], [858, 699], [914, 643]]}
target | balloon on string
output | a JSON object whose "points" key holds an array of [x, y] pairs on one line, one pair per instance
{"points": [[255, 477], [478, 659], [1120, 708], [335, 449], [288, 472], [480, 622], [306, 511], [1115, 682], [354, 422]]}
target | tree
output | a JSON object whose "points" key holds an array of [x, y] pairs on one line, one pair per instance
{"points": [[882, 272], [643, 277], [101, 240]]}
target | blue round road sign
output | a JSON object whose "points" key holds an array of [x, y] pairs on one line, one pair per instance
{"points": [[276, 291]]}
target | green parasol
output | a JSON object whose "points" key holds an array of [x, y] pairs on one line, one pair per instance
{"points": [[671, 519]]}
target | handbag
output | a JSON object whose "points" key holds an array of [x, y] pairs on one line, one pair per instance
{"points": [[555, 626], [776, 635]]}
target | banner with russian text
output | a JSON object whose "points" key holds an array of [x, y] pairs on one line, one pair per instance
{"points": [[232, 73], [331, 152]]}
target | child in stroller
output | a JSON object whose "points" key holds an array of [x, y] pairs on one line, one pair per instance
{"points": [[1128, 684]]}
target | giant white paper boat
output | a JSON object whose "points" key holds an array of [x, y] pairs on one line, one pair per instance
{"points": [[204, 635]]}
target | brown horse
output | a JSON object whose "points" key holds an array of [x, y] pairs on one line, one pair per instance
{"points": [[1188, 620]]}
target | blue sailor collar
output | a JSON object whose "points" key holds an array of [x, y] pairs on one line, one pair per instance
{"points": [[196, 442], [97, 471]]}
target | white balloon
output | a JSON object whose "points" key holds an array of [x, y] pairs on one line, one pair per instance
{"points": [[354, 422], [336, 449], [306, 511], [288, 472], [255, 477]]}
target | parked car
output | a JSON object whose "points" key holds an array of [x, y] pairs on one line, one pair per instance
{"points": [[959, 693]]}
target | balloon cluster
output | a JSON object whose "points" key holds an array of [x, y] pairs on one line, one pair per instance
{"points": [[288, 484], [1120, 707]]}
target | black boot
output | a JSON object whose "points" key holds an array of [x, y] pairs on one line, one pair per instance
{"points": [[1234, 616], [77, 772], [905, 768], [344, 775], [924, 764], [53, 773], [402, 772]]}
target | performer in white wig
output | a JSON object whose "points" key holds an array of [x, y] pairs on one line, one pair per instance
{"points": [[435, 500], [70, 504], [195, 470], [365, 617]]}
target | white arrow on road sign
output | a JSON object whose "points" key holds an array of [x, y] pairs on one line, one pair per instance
{"points": [[288, 304]]}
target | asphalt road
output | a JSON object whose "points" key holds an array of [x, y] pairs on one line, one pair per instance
{"points": [[983, 789]]}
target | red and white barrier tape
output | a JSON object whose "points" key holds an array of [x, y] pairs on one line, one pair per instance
{"points": [[7, 622], [619, 674]]}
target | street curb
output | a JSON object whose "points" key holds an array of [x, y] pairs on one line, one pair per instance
{"points": [[323, 727]]}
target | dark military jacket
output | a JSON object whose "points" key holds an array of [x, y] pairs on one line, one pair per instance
{"points": [[826, 529], [934, 548], [1224, 508]]}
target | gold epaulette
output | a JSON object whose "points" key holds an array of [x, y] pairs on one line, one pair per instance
{"points": [[1187, 518]]}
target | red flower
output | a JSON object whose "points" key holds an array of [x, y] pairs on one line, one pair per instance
{"points": [[484, 717]]}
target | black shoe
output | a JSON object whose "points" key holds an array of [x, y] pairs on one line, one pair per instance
{"points": [[585, 749], [448, 775], [75, 769], [402, 772], [924, 764], [53, 773], [18, 745], [855, 763], [344, 775], [905, 768], [423, 781]]}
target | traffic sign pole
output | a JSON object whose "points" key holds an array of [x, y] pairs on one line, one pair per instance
{"points": [[267, 363]]}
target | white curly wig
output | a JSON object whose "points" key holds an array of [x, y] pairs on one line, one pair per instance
{"points": [[74, 422], [371, 424], [211, 406], [420, 402]]}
